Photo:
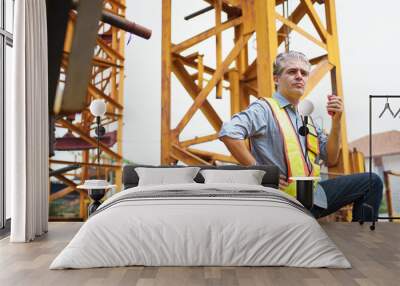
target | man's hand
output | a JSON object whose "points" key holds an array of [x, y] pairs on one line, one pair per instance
{"points": [[282, 182], [335, 105]]}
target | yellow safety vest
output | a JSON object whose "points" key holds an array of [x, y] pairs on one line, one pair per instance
{"points": [[294, 156]]}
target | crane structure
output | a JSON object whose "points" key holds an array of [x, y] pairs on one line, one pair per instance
{"points": [[106, 82], [271, 28]]}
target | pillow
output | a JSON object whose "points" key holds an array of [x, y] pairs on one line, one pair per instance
{"points": [[248, 177], [130, 178], [162, 176]]}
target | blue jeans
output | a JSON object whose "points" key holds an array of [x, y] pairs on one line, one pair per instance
{"points": [[344, 190]]}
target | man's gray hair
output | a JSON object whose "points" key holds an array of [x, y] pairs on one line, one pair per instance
{"points": [[283, 58]]}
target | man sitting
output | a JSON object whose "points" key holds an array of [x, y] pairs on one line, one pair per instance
{"points": [[272, 125]]}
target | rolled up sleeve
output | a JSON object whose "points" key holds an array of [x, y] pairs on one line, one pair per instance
{"points": [[323, 139], [247, 123]]}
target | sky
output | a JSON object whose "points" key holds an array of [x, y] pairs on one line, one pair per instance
{"points": [[370, 62]]}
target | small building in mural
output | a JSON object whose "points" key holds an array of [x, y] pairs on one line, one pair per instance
{"points": [[385, 159]]}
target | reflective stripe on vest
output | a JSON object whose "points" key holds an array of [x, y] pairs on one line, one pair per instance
{"points": [[313, 150], [295, 162]]}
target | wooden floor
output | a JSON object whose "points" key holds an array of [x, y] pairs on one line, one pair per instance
{"points": [[375, 256]]}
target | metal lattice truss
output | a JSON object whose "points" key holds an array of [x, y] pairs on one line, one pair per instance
{"points": [[106, 82], [247, 18]]}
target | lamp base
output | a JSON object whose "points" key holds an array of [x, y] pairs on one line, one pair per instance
{"points": [[96, 195], [305, 193]]}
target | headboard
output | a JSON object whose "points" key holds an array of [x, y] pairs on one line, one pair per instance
{"points": [[130, 178]]}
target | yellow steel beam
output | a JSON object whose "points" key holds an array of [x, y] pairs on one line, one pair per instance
{"points": [[193, 64], [65, 180], [211, 84], [234, 87], [295, 17], [87, 138], [321, 69], [205, 35], [107, 82], [95, 92], [218, 44], [193, 90], [213, 156], [266, 45], [62, 193], [245, 17], [315, 19], [198, 140], [302, 32], [120, 98], [166, 137], [63, 162], [110, 52], [200, 73], [336, 75], [181, 154], [248, 16]]}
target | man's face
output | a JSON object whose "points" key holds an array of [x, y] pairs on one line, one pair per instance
{"points": [[292, 81]]}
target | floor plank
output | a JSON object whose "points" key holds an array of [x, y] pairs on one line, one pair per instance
{"points": [[375, 256]]}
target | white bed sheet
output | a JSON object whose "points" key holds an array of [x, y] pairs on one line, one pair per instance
{"points": [[200, 231]]}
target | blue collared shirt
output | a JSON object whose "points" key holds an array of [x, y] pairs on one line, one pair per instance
{"points": [[258, 124]]}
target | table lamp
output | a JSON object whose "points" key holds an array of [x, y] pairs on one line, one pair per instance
{"points": [[97, 188]]}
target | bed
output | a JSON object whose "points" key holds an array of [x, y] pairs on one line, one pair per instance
{"points": [[201, 224]]}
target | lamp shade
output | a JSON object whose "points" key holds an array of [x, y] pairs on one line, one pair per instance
{"points": [[95, 184], [98, 107], [306, 107]]}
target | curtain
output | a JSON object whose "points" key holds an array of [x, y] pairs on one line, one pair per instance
{"points": [[27, 124]]}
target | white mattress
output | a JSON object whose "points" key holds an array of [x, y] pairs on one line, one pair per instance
{"points": [[189, 231]]}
